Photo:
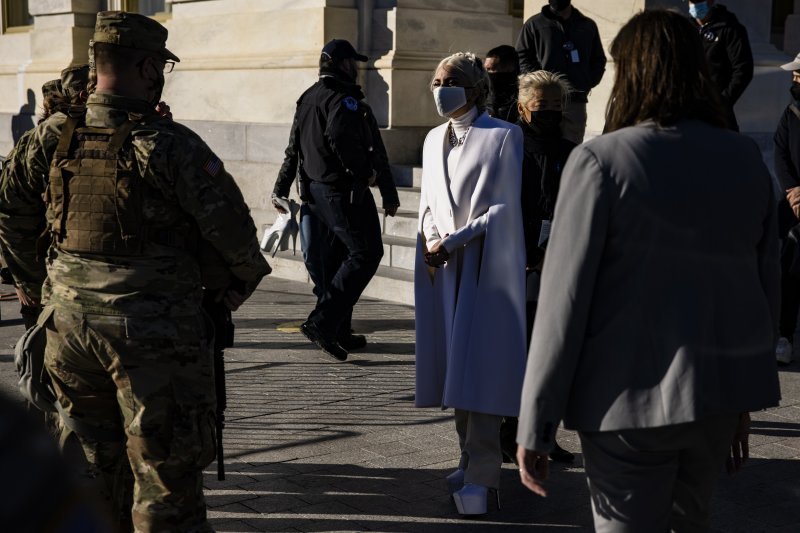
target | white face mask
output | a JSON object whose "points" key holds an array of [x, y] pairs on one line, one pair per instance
{"points": [[449, 99]]}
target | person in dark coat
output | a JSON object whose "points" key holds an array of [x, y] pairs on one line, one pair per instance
{"points": [[563, 40], [787, 170], [502, 66], [540, 105], [727, 48]]}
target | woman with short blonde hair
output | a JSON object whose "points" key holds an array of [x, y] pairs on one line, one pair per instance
{"points": [[541, 101], [469, 275]]}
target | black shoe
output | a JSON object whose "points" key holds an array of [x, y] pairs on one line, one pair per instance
{"points": [[560, 455], [330, 347], [350, 341]]}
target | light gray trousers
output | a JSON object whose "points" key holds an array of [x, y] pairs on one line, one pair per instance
{"points": [[656, 479], [479, 438]]}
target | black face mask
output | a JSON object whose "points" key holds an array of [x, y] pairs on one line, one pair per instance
{"points": [[159, 89], [546, 123], [349, 70], [559, 5], [795, 91], [503, 84]]}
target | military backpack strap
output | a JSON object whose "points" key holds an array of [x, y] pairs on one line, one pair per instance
{"points": [[119, 137], [124, 130], [67, 132], [795, 110]]}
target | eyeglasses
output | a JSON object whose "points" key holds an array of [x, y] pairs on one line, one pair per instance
{"points": [[168, 64]]}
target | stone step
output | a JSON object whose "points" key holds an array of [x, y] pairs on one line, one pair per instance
{"points": [[409, 198], [403, 224], [407, 175], [390, 283], [399, 252]]}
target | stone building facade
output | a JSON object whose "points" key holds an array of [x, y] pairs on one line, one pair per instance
{"points": [[245, 62]]}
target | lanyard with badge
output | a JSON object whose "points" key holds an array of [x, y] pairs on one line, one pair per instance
{"points": [[569, 47]]}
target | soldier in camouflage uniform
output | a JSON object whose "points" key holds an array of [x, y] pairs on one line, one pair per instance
{"points": [[60, 97], [14, 163], [131, 198]]}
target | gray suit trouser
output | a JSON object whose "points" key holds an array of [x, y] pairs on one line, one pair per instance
{"points": [[656, 479], [479, 438]]}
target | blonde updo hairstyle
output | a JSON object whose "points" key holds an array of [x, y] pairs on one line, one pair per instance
{"points": [[473, 71], [532, 82]]}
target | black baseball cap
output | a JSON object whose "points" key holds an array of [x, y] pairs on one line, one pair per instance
{"points": [[338, 49]]}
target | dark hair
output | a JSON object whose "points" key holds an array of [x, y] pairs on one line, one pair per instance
{"points": [[114, 58], [661, 73], [506, 55]]}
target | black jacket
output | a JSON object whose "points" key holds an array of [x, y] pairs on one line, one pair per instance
{"points": [[502, 99], [730, 59], [544, 43], [542, 163], [787, 149], [335, 139], [787, 164]]}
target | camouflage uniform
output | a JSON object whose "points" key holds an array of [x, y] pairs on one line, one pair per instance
{"points": [[127, 345], [24, 178]]}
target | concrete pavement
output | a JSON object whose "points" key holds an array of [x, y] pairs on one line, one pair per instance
{"points": [[317, 445]]}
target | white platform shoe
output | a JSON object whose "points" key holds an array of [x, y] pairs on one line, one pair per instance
{"points": [[471, 500]]}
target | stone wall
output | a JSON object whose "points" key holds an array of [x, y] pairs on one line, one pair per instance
{"points": [[245, 62]]}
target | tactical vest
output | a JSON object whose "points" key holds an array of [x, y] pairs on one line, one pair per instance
{"points": [[96, 193]]}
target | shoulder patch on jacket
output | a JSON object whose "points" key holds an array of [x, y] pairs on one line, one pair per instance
{"points": [[350, 103], [212, 165]]}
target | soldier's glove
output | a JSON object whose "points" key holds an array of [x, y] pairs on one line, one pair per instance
{"points": [[281, 203]]}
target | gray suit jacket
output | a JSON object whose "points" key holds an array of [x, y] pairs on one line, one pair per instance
{"points": [[660, 291]]}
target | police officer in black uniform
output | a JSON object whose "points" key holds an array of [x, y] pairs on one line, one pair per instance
{"points": [[341, 154]]}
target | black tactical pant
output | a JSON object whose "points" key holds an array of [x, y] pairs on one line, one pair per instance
{"points": [[323, 253], [351, 218]]}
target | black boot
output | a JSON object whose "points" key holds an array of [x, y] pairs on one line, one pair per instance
{"points": [[350, 341], [329, 346]]}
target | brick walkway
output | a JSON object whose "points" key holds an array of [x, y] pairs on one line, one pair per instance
{"points": [[317, 445]]}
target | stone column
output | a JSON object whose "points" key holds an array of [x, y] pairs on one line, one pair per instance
{"points": [[409, 39], [60, 35], [610, 16], [791, 39], [244, 64]]}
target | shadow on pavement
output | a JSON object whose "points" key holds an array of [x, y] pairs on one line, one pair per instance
{"points": [[775, 429], [368, 325], [367, 363], [333, 497], [766, 492]]}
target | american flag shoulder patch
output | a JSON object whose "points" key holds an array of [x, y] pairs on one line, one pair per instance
{"points": [[212, 165]]}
